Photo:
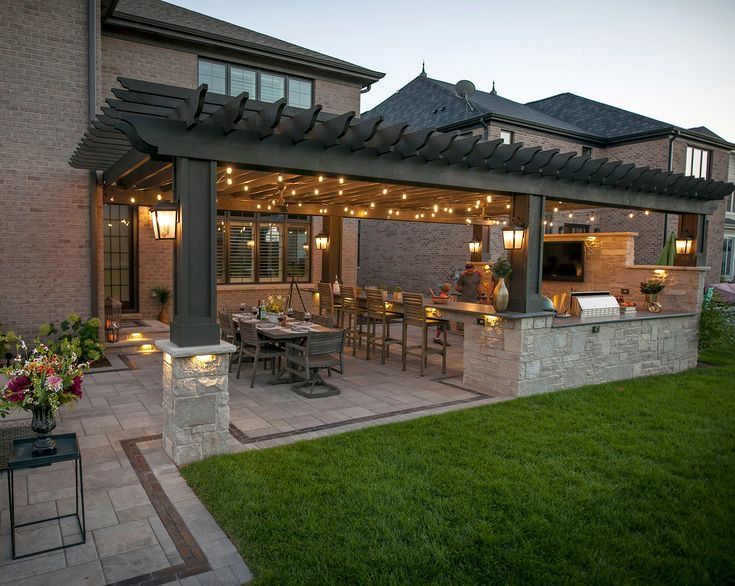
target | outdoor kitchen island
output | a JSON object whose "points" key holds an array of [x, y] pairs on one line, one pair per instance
{"points": [[526, 354]]}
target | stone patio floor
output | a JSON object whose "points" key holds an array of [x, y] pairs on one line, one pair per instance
{"points": [[144, 524]]}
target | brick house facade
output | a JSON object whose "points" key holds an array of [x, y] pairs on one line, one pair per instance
{"points": [[430, 102], [52, 226]]}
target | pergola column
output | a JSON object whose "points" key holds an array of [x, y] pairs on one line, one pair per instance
{"points": [[195, 360], [524, 294], [693, 226], [332, 256], [195, 257]]}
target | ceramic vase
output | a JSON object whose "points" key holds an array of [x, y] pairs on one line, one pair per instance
{"points": [[500, 295], [43, 423]]}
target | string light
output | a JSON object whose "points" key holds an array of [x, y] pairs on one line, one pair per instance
{"points": [[293, 192], [630, 215], [321, 178], [229, 170], [346, 208], [280, 178], [398, 212], [469, 209], [450, 210], [422, 215], [468, 220], [647, 212], [245, 188], [385, 191], [489, 199], [341, 180], [132, 200], [436, 208], [159, 197], [316, 192], [269, 207], [258, 206], [404, 196], [507, 206], [416, 216], [273, 201], [112, 199], [556, 209], [229, 181], [571, 215], [433, 215], [299, 204], [340, 192], [352, 212], [372, 204]]}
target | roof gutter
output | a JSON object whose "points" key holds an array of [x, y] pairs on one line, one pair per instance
{"points": [[131, 23]]}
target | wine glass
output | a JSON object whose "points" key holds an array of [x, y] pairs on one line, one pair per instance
{"points": [[254, 310], [289, 312], [307, 317], [281, 318], [242, 307]]}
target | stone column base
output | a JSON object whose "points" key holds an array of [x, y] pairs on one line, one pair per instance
{"points": [[195, 400]]}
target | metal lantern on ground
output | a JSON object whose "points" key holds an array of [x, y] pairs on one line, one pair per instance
{"points": [[322, 241], [113, 319], [684, 245], [164, 218], [475, 246], [513, 237]]}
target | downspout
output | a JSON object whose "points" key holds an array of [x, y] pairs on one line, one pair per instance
{"points": [[92, 108], [673, 136], [485, 131]]}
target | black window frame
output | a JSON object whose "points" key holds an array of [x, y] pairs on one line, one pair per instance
{"points": [[258, 72], [130, 305], [285, 221]]}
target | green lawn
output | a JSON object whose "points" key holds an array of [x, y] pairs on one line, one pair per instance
{"points": [[622, 482]]}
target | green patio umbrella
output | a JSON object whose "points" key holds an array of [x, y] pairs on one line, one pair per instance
{"points": [[667, 254]]}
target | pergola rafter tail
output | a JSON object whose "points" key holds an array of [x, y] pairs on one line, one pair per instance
{"points": [[161, 122]]}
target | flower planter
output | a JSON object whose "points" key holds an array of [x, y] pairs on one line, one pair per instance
{"points": [[43, 423]]}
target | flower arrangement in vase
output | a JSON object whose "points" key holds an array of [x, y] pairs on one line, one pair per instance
{"points": [[275, 303], [501, 269], [42, 382], [651, 289]]}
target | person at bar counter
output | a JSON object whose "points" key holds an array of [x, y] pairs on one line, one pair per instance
{"points": [[469, 285]]}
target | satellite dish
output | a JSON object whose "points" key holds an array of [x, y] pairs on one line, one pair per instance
{"points": [[464, 88]]}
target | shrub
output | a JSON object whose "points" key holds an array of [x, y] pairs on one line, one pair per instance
{"points": [[82, 336], [716, 323]]}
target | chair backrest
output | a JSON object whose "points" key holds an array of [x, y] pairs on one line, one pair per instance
{"points": [[248, 332], [413, 309], [375, 303], [225, 322], [349, 298], [326, 297], [325, 320], [321, 343]]}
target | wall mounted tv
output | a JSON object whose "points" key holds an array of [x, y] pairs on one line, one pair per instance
{"points": [[563, 261]]}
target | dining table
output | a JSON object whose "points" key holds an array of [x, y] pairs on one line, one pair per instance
{"points": [[281, 334]]}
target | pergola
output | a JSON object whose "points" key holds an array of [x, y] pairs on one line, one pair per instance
{"points": [[208, 151]]}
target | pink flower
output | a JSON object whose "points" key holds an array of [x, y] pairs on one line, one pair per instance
{"points": [[55, 383]]}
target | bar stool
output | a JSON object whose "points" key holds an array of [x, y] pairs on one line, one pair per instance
{"points": [[414, 314], [327, 305], [353, 318], [377, 314]]}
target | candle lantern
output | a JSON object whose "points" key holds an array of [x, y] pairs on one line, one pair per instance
{"points": [[684, 244], [113, 319]]}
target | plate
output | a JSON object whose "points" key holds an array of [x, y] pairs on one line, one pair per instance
{"points": [[267, 326]]}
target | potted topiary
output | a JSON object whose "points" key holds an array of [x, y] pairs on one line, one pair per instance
{"points": [[501, 269], [398, 294], [162, 295]]}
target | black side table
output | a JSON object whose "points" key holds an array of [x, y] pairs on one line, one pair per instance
{"points": [[67, 448]]}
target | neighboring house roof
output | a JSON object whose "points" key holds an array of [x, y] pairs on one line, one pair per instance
{"points": [[182, 19], [431, 102], [427, 102]]}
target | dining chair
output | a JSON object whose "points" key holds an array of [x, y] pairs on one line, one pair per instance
{"points": [[253, 346], [327, 306], [321, 351], [229, 333], [414, 314], [378, 315], [353, 318]]}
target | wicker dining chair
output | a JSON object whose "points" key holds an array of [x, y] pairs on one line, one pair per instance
{"points": [[354, 318], [327, 306], [252, 346], [378, 315], [322, 350], [414, 314]]}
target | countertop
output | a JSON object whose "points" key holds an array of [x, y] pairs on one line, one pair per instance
{"points": [[565, 322]]}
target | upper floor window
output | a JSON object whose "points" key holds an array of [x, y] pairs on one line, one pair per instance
{"points": [[697, 162], [506, 136], [586, 151], [730, 204], [262, 248], [231, 79]]}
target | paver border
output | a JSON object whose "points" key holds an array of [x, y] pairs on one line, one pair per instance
{"points": [[194, 560]]}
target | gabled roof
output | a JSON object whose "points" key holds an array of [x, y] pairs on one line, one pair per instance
{"points": [[595, 117], [706, 131], [177, 18], [433, 103]]}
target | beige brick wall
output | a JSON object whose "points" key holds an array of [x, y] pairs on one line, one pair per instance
{"points": [[44, 203], [155, 266], [336, 97]]}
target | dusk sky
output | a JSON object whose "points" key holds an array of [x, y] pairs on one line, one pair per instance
{"points": [[671, 60]]}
